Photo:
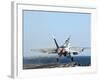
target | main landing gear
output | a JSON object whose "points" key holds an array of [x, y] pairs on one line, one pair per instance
{"points": [[57, 59], [71, 58]]}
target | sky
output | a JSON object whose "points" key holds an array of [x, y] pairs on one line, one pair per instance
{"points": [[39, 26]]}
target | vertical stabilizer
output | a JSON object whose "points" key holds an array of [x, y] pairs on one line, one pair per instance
{"points": [[67, 41], [55, 41]]}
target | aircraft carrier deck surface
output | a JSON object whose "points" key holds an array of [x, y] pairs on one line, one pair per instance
{"points": [[37, 66]]}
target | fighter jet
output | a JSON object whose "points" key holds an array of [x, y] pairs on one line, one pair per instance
{"points": [[65, 50]]}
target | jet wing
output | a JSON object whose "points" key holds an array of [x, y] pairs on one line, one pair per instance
{"points": [[78, 49], [45, 50]]}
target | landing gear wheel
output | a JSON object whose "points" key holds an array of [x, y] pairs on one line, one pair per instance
{"points": [[64, 54], [57, 59], [72, 59]]}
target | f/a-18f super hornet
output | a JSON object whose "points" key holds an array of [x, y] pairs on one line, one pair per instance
{"points": [[65, 50]]}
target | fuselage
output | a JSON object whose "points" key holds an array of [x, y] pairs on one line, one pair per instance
{"points": [[63, 51]]}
